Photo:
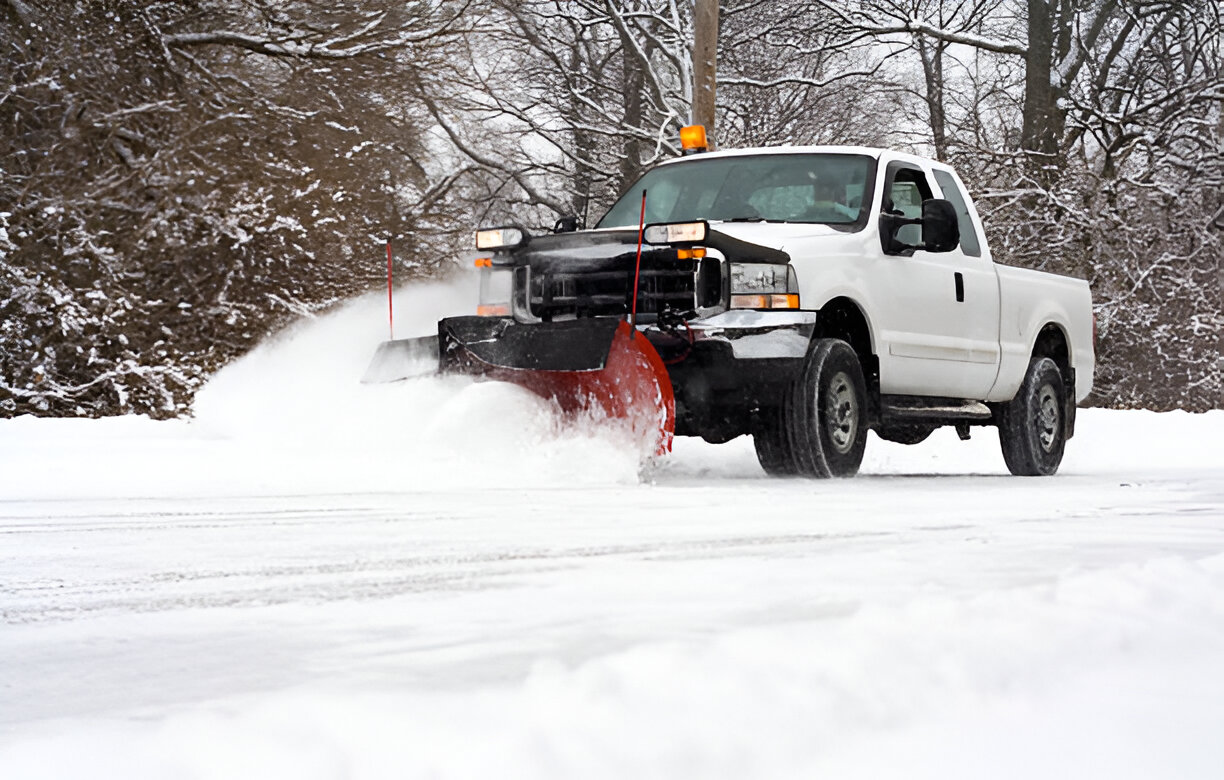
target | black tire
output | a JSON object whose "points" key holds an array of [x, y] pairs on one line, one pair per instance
{"points": [[825, 412], [773, 449], [905, 434], [1032, 431]]}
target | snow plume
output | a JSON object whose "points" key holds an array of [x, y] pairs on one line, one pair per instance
{"points": [[298, 398]]}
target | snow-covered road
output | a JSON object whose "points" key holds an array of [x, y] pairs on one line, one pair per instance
{"points": [[291, 586]]}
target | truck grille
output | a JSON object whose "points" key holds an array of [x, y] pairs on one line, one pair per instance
{"points": [[669, 284]]}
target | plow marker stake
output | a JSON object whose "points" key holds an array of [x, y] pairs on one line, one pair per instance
{"points": [[390, 310], [637, 269]]}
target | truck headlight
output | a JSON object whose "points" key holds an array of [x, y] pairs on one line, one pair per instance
{"points": [[500, 238], [764, 286], [676, 233]]}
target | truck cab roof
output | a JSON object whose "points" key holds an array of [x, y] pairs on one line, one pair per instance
{"points": [[867, 151]]}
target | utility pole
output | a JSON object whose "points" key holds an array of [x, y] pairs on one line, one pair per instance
{"points": [[705, 58]]}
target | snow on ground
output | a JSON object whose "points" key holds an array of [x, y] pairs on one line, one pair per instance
{"points": [[442, 578]]}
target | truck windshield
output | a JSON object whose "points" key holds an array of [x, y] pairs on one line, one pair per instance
{"points": [[815, 188]]}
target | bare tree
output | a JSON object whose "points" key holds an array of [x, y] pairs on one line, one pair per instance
{"points": [[573, 100], [789, 73], [705, 62], [564, 103]]}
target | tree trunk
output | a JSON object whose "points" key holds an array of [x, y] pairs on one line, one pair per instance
{"points": [[633, 83], [931, 53], [705, 57], [1044, 120], [23, 11]]}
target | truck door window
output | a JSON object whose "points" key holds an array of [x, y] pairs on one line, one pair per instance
{"points": [[904, 190], [971, 245]]}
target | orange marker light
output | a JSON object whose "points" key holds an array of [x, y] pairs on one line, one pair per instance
{"points": [[787, 301], [693, 139], [484, 262], [493, 310], [696, 253]]}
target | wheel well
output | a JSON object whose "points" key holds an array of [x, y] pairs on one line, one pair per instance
{"points": [[1052, 343], [841, 318]]}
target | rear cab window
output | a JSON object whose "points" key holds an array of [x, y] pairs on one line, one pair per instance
{"points": [[971, 243]]}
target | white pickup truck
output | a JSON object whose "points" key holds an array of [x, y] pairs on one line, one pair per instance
{"points": [[803, 295], [904, 321]]}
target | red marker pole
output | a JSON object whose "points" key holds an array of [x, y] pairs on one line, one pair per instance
{"points": [[390, 311], [637, 271]]}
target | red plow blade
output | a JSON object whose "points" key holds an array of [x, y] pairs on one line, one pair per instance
{"points": [[632, 386], [597, 366]]}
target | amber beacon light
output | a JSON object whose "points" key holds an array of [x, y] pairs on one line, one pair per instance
{"points": [[693, 139]]}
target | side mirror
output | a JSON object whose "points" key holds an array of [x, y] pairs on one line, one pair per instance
{"points": [[940, 227], [565, 225], [890, 223]]}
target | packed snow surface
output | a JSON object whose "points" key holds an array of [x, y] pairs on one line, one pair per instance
{"points": [[443, 578]]}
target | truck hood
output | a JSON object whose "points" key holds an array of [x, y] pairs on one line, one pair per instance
{"points": [[591, 250], [777, 235]]}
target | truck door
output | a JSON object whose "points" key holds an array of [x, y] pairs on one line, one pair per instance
{"points": [[981, 283], [939, 325]]}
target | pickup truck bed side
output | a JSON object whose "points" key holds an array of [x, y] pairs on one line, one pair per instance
{"points": [[1031, 301]]}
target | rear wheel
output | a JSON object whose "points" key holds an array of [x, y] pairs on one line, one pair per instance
{"points": [[1031, 425], [825, 412]]}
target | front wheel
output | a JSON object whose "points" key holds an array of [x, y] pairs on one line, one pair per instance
{"points": [[825, 412], [1032, 432], [772, 445]]}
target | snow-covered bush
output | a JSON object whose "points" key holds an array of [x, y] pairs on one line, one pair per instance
{"points": [[179, 181]]}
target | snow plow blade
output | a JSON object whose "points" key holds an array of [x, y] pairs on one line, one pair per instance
{"points": [[597, 365], [403, 359]]}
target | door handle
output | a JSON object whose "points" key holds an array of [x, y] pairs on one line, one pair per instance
{"points": [[960, 287]]}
